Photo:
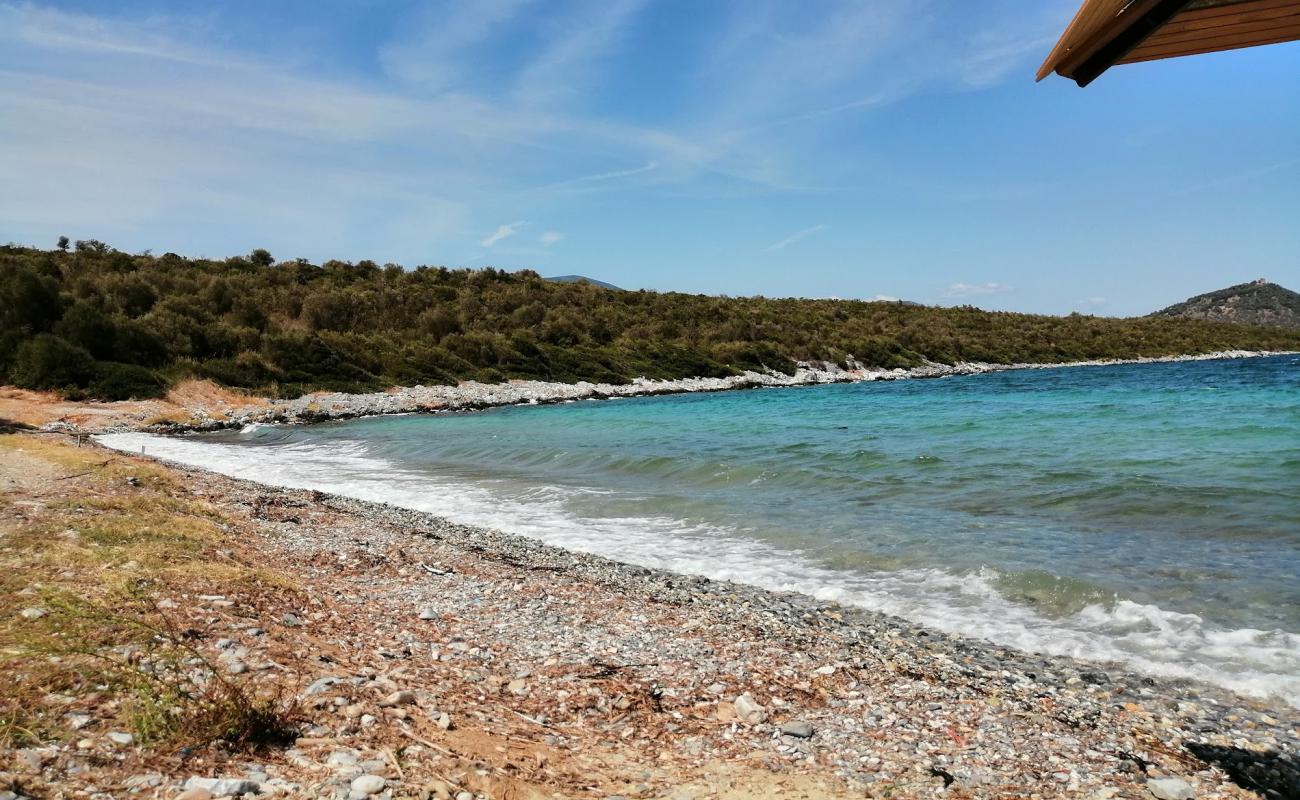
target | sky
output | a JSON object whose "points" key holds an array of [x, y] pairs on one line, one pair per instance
{"points": [[882, 149]]}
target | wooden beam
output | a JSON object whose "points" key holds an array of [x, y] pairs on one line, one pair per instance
{"points": [[1117, 39]]}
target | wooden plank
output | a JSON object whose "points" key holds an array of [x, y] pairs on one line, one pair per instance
{"points": [[1162, 37], [1246, 6], [1213, 44], [1182, 23]]}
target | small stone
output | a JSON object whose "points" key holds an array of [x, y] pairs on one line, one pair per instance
{"points": [[748, 710], [120, 738], [428, 613], [517, 686], [367, 720], [290, 620], [365, 785], [146, 781], [78, 721], [464, 796], [320, 684], [402, 698], [194, 794], [1170, 789], [443, 721], [166, 604], [236, 667], [32, 613], [798, 729], [217, 787]]}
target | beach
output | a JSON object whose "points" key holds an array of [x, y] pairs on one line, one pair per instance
{"points": [[439, 659]]}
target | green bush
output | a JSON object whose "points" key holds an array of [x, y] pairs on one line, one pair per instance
{"points": [[116, 381], [48, 362]]}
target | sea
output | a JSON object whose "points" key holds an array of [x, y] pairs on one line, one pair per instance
{"points": [[1147, 514]]}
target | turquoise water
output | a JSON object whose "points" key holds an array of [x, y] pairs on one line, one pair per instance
{"points": [[1147, 513]]}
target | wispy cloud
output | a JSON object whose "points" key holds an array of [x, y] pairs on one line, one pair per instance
{"points": [[970, 289], [549, 238], [794, 237], [502, 233]]}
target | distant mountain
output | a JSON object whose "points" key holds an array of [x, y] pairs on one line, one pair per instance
{"points": [[584, 279], [1255, 303]]}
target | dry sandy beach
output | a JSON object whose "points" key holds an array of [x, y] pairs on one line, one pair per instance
{"points": [[406, 656]]}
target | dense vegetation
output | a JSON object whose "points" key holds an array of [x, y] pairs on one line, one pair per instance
{"points": [[1255, 303], [95, 322]]}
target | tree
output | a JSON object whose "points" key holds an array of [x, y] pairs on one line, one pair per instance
{"points": [[261, 258], [63, 243]]}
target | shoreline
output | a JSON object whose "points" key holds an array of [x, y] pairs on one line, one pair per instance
{"points": [[222, 411], [1244, 735]]}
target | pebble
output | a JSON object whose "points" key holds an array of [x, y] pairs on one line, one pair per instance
{"points": [[1170, 789], [223, 786], [121, 738], [748, 710], [402, 698], [428, 613], [32, 613], [365, 785], [798, 729], [320, 684]]}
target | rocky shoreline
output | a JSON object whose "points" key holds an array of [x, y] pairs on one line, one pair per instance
{"points": [[433, 659], [868, 697], [471, 395]]}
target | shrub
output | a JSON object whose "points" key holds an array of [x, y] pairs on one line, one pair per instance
{"points": [[49, 362], [116, 381]]}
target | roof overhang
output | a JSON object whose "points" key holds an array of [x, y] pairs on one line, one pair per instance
{"points": [[1108, 32]]}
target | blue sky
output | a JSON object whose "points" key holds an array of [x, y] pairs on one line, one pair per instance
{"points": [[838, 149]]}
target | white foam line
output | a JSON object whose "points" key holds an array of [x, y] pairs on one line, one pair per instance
{"points": [[1150, 639]]}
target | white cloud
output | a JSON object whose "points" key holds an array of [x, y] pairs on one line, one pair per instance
{"points": [[969, 289], [885, 298], [502, 232], [549, 238], [794, 237]]}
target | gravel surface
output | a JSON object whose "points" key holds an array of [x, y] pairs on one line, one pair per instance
{"points": [[419, 636]]}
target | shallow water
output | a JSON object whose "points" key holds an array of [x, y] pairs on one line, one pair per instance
{"points": [[1145, 513]]}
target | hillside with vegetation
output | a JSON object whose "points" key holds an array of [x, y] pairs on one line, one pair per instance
{"points": [[1256, 303], [94, 322]]}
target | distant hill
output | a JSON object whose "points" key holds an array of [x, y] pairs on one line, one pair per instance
{"points": [[584, 279], [1255, 303]]}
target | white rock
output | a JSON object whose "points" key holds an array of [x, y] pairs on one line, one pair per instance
{"points": [[748, 710], [120, 738], [32, 613], [428, 612], [1170, 789], [366, 785]]}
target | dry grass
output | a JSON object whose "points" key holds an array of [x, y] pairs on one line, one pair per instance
{"points": [[94, 541]]}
